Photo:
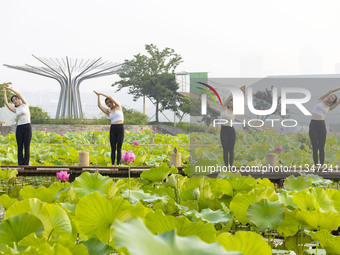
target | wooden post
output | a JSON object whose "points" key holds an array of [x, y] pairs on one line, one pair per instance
{"points": [[175, 159], [84, 157], [271, 159]]}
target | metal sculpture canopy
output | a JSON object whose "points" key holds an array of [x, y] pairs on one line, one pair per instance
{"points": [[70, 74]]}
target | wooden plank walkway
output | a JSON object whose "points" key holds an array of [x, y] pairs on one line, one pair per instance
{"points": [[75, 171]]}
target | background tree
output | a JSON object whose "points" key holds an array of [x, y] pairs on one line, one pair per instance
{"points": [[153, 76], [8, 93], [38, 116]]}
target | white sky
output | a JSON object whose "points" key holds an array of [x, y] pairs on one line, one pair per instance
{"points": [[211, 36]]}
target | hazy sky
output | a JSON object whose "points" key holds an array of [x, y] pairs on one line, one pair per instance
{"points": [[211, 36]]}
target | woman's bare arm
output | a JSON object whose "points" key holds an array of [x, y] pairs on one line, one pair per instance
{"points": [[328, 93], [10, 107], [104, 110], [23, 100]]}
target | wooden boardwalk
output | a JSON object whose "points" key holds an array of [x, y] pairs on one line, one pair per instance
{"points": [[75, 171]]}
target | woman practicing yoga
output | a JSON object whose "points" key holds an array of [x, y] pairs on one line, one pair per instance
{"points": [[115, 114], [228, 134], [317, 126], [23, 131]]}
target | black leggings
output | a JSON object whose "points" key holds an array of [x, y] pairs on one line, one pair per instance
{"points": [[23, 134], [317, 134], [228, 139], [116, 141]]}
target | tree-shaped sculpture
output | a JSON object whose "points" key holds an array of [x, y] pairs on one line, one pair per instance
{"points": [[70, 74]]}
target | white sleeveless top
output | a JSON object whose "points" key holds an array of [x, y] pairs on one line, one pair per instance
{"points": [[227, 115], [23, 113], [320, 109], [116, 116]]}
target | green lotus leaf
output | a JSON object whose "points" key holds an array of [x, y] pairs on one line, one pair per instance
{"points": [[33, 240], [221, 187], [17, 227], [317, 180], [75, 249], [53, 217], [95, 247], [96, 214], [293, 242], [6, 201], [297, 183], [323, 236], [137, 195], [47, 249], [211, 216], [88, 183], [196, 189], [31, 205], [58, 218], [263, 183], [7, 174], [67, 195], [289, 226], [242, 184], [287, 200], [115, 188], [135, 236], [58, 186], [239, 205], [175, 181], [336, 200], [322, 199], [158, 174], [158, 223], [332, 246], [318, 220], [305, 201], [248, 243], [42, 193], [266, 215]]}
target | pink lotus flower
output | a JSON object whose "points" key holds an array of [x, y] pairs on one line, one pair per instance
{"points": [[73, 130], [108, 127], [282, 128], [124, 130], [175, 149], [62, 134], [10, 132], [128, 157], [138, 132], [152, 131], [141, 128], [238, 133], [62, 176], [69, 130], [102, 129], [44, 129], [278, 148], [135, 143], [155, 128], [97, 171]]}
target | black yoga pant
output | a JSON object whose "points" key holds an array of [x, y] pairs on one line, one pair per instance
{"points": [[23, 134], [317, 134], [116, 141], [228, 139]]}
